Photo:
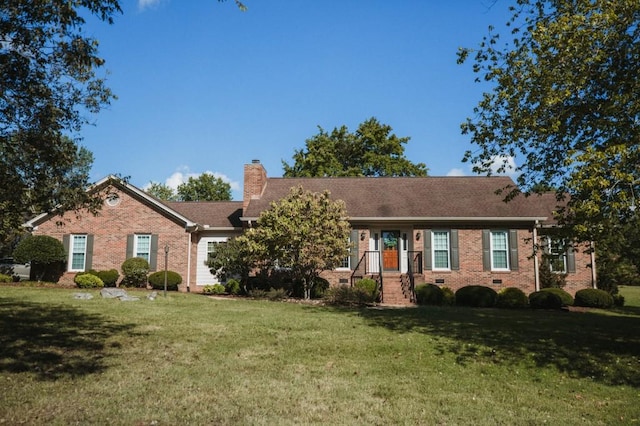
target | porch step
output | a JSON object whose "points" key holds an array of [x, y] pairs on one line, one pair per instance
{"points": [[392, 292]]}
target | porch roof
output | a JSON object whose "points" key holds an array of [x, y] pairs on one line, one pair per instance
{"points": [[416, 198]]}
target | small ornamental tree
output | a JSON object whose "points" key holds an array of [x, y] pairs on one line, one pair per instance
{"points": [[46, 255], [305, 233], [231, 259]]}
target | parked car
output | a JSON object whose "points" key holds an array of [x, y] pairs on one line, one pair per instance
{"points": [[19, 271]]}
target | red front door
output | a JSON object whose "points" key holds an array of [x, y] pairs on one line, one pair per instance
{"points": [[390, 250]]}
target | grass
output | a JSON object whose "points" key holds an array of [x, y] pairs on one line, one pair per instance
{"points": [[190, 359]]}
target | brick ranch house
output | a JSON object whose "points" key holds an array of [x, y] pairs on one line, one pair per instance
{"points": [[451, 231]]}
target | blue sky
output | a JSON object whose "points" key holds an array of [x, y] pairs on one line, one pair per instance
{"points": [[203, 87]]}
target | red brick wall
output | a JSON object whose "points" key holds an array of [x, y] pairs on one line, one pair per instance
{"points": [[255, 178], [110, 229]]}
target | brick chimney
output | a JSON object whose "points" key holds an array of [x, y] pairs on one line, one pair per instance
{"points": [[255, 180]]}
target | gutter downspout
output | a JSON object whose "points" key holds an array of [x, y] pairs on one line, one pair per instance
{"points": [[594, 277], [189, 262], [536, 270]]}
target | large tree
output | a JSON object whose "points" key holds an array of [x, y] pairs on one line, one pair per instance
{"points": [[565, 102], [205, 187], [48, 86], [305, 233], [371, 151]]}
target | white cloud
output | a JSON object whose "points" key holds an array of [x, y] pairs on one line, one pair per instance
{"points": [[500, 160], [183, 175], [456, 172], [145, 4]]}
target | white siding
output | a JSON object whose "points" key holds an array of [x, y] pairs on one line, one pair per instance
{"points": [[203, 275]]}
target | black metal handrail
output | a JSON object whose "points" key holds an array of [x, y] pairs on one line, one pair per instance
{"points": [[365, 269], [414, 267]]}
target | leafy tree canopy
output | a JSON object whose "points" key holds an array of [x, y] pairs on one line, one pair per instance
{"points": [[48, 85], [305, 232], [205, 187], [161, 191], [371, 151], [565, 103]]}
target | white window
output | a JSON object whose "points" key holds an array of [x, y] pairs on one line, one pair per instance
{"points": [[441, 249], [211, 248], [78, 253], [142, 246], [499, 250], [557, 255]]}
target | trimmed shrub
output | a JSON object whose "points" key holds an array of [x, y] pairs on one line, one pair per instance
{"points": [[87, 280], [135, 271], [512, 298], [232, 286], [449, 297], [157, 280], [544, 300], [46, 255], [213, 289], [618, 300], [369, 289], [320, 286], [345, 295], [429, 294], [593, 298], [108, 277], [5, 278], [476, 296], [567, 299]]}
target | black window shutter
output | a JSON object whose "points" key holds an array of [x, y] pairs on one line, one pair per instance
{"points": [[486, 249], [426, 238], [354, 254], [130, 238], [65, 244], [88, 263], [571, 260], [455, 251], [153, 256], [513, 249]]}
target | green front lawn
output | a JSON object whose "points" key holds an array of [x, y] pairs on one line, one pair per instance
{"points": [[190, 359]]}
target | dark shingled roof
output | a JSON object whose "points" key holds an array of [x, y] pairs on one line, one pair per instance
{"points": [[215, 214], [414, 197]]}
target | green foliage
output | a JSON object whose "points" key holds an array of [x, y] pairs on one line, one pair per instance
{"points": [[512, 298], [566, 60], [567, 299], [109, 277], [618, 255], [232, 286], [49, 88], [545, 300], [369, 287], [231, 258], [304, 233], [593, 298], [87, 280], [134, 271], [344, 295], [46, 255], [477, 296], [156, 280], [277, 294], [549, 279], [205, 187], [449, 297], [320, 286], [618, 300], [429, 294], [371, 151], [214, 289], [5, 278], [161, 191]]}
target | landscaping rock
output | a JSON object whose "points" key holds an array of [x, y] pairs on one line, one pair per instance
{"points": [[127, 298], [152, 295], [83, 296], [113, 293]]}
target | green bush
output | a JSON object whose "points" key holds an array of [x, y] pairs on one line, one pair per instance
{"points": [[369, 289], [87, 280], [5, 278], [345, 295], [134, 271], [567, 299], [476, 296], [213, 289], [429, 294], [277, 294], [157, 280], [108, 277], [449, 298], [544, 300], [618, 300], [320, 286], [46, 255], [512, 298], [258, 293], [232, 287], [593, 298]]}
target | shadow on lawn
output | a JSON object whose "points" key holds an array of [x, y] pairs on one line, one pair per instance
{"points": [[580, 344], [52, 341]]}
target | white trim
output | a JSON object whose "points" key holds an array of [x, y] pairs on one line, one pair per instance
{"points": [[72, 239], [506, 233], [433, 250]]}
